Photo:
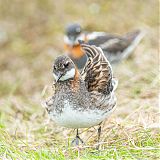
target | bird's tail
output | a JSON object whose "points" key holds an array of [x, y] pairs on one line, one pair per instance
{"points": [[134, 38]]}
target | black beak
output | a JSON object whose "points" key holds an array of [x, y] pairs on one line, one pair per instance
{"points": [[59, 77]]}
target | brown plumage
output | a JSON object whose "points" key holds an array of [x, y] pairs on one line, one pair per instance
{"points": [[97, 72], [82, 100]]}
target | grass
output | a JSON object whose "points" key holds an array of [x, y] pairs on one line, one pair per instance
{"points": [[31, 37], [139, 145]]}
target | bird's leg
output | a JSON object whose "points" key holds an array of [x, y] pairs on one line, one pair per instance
{"points": [[99, 136], [77, 139]]}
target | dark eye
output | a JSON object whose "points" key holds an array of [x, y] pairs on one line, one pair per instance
{"points": [[66, 64], [55, 68]]}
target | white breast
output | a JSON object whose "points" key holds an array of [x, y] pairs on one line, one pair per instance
{"points": [[72, 118]]}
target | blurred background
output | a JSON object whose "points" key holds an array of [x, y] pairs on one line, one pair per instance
{"points": [[31, 36]]}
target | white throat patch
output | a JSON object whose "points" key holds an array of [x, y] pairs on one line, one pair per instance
{"points": [[68, 75]]}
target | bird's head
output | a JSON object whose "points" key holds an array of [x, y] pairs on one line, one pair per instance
{"points": [[72, 32], [63, 68]]}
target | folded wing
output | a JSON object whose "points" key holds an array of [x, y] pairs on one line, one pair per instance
{"points": [[97, 72]]}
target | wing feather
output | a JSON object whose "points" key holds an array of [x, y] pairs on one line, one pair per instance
{"points": [[97, 72]]}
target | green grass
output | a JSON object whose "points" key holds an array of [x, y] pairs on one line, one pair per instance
{"points": [[144, 147]]}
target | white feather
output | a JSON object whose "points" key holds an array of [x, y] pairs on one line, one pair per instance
{"points": [[94, 35], [68, 75], [72, 118], [67, 40]]}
